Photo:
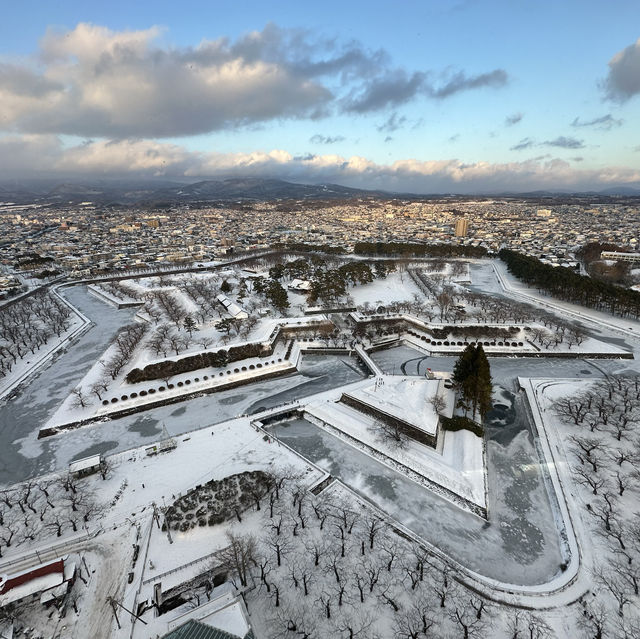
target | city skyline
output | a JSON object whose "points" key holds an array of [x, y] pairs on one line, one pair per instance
{"points": [[436, 97]]}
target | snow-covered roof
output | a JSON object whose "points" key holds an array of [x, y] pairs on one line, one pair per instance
{"points": [[300, 285], [85, 463], [224, 617], [231, 307], [34, 580], [193, 629]]}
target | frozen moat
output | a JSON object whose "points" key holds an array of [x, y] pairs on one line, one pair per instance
{"points": [[22, 455], [519, 544]]}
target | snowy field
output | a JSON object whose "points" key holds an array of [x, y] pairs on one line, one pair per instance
{"points": [[523, 543]]}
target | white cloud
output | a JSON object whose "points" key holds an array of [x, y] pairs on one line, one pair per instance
{"points": [[623, 80], [92, 81], [144, 158]]}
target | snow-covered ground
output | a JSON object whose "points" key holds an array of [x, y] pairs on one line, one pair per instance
{"points": [[457, 465], [183, 384], [526, 541], [395, 287]]}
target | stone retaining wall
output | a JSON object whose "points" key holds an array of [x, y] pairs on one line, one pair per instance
{"points": [[411, 431]]}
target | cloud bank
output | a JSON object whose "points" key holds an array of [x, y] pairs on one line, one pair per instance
{"points": [[146, 158]]}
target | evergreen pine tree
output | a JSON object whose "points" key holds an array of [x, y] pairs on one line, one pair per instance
{"points": [[472, 376], [482, 386], [462, 372]]}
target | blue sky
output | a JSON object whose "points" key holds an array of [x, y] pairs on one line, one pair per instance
{"points": [[427, 96]]}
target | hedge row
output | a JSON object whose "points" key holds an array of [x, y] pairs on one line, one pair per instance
{"points": [[441, 333], [458, 422], [215, 359], [498, 332]]}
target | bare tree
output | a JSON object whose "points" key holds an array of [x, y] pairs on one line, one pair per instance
{"points": [[438, 402], [79, 398], [523, 624], [617, 586], [239, 556], [389, 433], [594, 621], [467, 616]]}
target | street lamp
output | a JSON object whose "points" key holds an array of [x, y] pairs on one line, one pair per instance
{"points": [[166, 523]]}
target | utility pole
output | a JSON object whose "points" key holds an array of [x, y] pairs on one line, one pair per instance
{"points": [[115, 611], [114, 605]]}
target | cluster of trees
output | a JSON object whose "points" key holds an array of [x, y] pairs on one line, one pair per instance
{"points": [[327, 566], [28, 325], [408, 249], [171, 306], [274, 292], [28, 261], [203, 292], [604, 447], [618, 273], [313, 248], [165, 339], [219, 500], [329, 278], [46, 274], [446, 267], [120, 353], [472, 376], [448, 301], [41, 508], [123, 347], [330, 284], [565, 283], [298, 268]]}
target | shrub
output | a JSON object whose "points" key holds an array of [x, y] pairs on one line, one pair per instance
{"points": [[458, 422]]}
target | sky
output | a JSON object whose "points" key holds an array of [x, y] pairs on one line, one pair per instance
{"points": [[446, 96]]}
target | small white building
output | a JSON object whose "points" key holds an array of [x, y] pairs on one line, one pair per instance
{"points": [[233, 309], [85, 466], [299, 286]]}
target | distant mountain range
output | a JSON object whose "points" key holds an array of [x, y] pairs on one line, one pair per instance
{"points": [[164, 192], [258, 189]]}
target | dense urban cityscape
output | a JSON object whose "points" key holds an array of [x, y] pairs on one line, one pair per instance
{"points": [[86, 240]]}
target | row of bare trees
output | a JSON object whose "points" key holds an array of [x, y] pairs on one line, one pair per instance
{"points": [[120, 353], [605, 461], [121, 290], [28, 325], [45, 507]]}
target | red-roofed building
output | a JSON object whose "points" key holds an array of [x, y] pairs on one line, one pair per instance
{"points": [[35, 582]]}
